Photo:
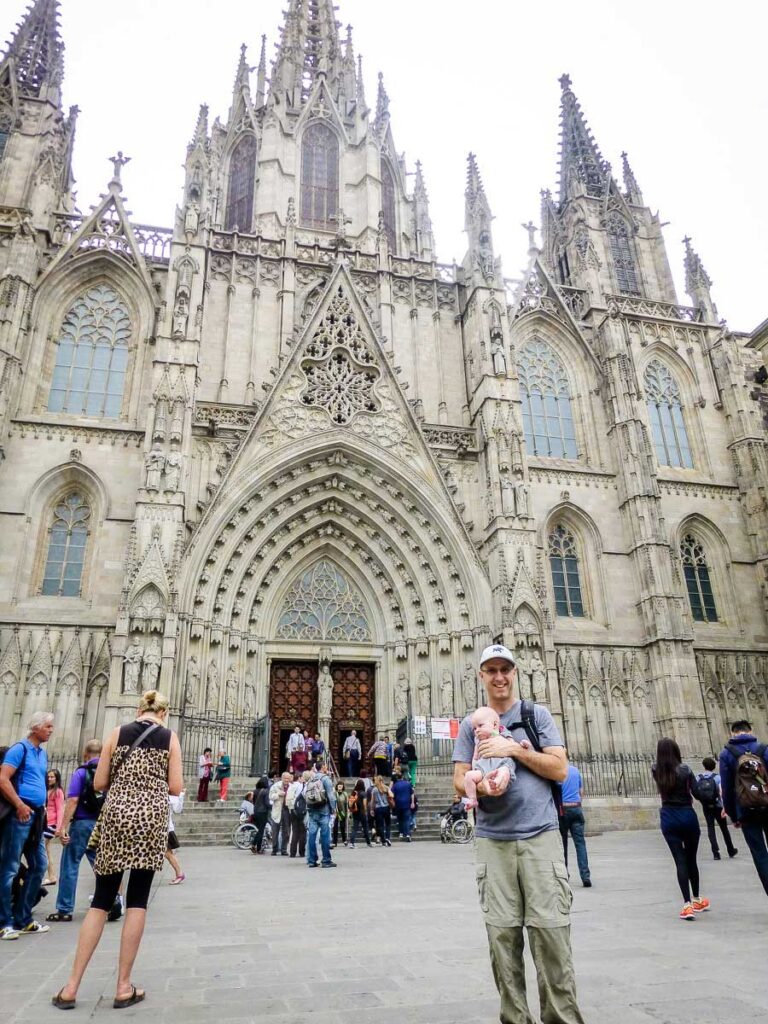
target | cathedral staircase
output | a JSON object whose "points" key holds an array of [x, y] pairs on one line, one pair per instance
{"points": [[211, 824]]}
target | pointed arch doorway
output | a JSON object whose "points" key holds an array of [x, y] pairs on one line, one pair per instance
{"points": [[323, 616]]}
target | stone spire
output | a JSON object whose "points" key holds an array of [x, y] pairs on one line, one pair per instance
{"points": [[242, 84], [360, 86], [200, 134], [477, 223], [261, 74], [381, 119], [582, 167], [425, 243], [631, 188], [308, 48], [35, 54], [698, 283]]}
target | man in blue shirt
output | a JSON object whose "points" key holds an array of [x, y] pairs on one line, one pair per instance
{"points": [[752, 822], [572, 820], [319, 815], [22, 785]]}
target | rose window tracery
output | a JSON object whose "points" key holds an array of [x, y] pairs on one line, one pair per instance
{"points": [[322, 605]]}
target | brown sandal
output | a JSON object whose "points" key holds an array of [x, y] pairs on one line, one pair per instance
{"points": [[63, 1004], [131, 1000]]}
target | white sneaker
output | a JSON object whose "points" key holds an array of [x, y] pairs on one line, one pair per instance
{"points": [[9, 933], [34, 928]]}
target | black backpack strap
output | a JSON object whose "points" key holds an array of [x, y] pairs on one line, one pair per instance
{"points": [[528, 721]]}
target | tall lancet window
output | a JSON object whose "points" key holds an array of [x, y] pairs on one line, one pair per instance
{"points": [[320, 178], [665, 410], [622, 256], [702, 600], [547, 415], [564, 565], [92, 356], [388, 207], [242, 176], [67, 538]]}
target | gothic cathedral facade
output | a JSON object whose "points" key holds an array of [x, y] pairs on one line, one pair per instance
{"points": [[282, 463]]}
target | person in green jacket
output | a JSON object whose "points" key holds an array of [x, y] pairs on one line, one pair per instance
{"points": [[342, 814], [223, 772]]}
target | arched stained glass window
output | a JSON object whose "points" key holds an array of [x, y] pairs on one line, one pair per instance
{"points": [[323, 605], [564, 565], [622, 256], [92, 356], [697, 580], [547, 415], [319, 178], [665, 410], [388, 207], [242, 176], [67, 538]]}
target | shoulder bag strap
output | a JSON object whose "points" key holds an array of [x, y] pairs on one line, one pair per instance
{"points": [[139, 739]]}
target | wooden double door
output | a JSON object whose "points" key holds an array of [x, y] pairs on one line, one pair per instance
{"points": [[293, 701]]}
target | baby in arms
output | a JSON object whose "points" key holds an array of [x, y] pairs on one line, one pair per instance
{"points": [[498, 772]]}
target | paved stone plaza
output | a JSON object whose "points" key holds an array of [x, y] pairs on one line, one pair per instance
{"points": [[396, 935]]}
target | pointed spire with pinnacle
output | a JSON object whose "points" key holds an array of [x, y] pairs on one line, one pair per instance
{"points": [[35, 54], [631, 188], [309, 47], [580, 158], [261, 74], [425, 244], [382, 108], [698, 282], [361, 103], [477, 223], [200, 135]]}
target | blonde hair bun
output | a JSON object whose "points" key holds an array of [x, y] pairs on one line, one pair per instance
{"points": [[153, 701]]}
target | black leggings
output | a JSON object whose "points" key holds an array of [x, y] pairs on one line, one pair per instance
{"points": [[681, 830], [136, 895]]}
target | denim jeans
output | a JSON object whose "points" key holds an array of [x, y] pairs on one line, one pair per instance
{"points": [[403, 820], [322, 821], [77, 848], [572, 821], [755, 829], [360, 821], [15, 835]]}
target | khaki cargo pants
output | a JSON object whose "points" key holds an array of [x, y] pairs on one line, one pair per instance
{"points": [[525, 883]]}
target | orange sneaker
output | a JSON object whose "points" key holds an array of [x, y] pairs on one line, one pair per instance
{"points": [[687, 913], [700, 904]]}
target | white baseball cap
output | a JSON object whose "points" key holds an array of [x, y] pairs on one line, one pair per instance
{"points": [[496, 651]]}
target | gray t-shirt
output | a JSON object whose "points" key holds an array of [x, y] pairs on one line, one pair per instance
{"points": [[527, 808]]}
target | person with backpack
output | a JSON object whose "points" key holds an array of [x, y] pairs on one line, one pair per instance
{"points": [[358, 808], [521, 876], [321, 803], [297, 808], [81, 809], [24, 793], [381, 802], [680, 827], [712, 805], [744, 785]]}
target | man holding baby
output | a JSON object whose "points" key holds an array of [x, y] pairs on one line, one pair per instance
{"points": [[521, 875]]}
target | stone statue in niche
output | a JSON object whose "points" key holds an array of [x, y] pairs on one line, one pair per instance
{"points": [[212, 695], [158, 434], [230, 693], [173, 465], [446, 693], [523, 676], [401, 695], [192, 682], [507, 496], [538, 678], [177, 421], [249, 697], [324, 692], [155, 464], [180, 315], [424, 687], [132, 659], [469, 687], [192, 218], [522, 494], [498, 355], [151, 671]]}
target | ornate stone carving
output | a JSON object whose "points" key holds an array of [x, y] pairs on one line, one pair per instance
{"points": [[446, 693], [424, 692], [132, 659], [192, 683], [151, 669], [322, 605]]}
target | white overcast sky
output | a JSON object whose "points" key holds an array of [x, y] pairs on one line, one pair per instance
{"points": [[680, 85]]}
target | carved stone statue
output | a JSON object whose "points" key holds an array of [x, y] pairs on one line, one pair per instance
{"points": [[155, 463], [424, 688], [538, 678], [324, 692], [507, 496], [498, 356], [523, 676], [173, 464], [192, 682], [401, 695], [180, 316], [522, 492], [158, 434], [212, 694], [192, 218], [132, 659], [249, 697], [446, 693], [230, 693], [177, 421], [151, 671], [469, 687]]}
